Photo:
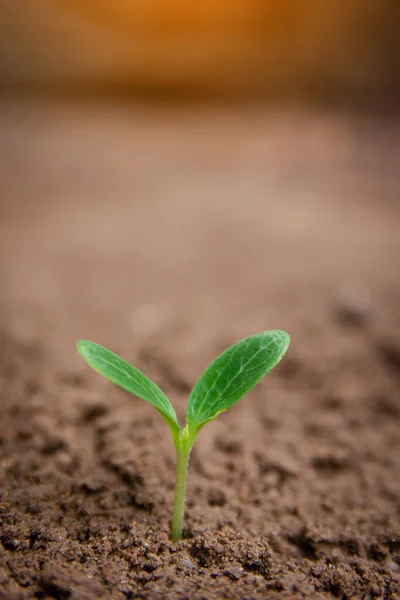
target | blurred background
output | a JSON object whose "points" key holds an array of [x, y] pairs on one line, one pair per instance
{"points": [[212, 165], [333, 49]]}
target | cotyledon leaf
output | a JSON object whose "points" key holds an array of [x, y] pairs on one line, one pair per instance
{"points": [[120, 372], [233, 374]]}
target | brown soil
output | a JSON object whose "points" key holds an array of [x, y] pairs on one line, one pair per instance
{"points": [[167, 237]]}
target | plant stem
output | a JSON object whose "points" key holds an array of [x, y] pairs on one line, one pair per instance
{"points": [[182, 463]]}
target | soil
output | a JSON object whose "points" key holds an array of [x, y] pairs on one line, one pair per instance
{"points": [[166, 236]]}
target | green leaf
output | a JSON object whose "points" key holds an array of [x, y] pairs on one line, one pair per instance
{"points": [[117, 370], [233, 374]]}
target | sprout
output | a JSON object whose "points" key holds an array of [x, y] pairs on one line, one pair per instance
{"points": [[234, 373]]}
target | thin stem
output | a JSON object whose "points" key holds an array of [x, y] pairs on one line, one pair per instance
{"points": [[182, 463]]}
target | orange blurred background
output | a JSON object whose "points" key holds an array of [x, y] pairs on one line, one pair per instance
{"points": [[246, 47]]}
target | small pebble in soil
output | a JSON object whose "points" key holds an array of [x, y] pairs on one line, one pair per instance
{"points": [[352, 306], [187, 565], [91, 485], [66, 462], [234, 573]]}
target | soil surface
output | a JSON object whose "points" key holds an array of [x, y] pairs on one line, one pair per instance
{"points": [[166, 236]]}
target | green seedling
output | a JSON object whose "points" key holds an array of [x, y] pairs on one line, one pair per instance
{"points": [[234, 373]]}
